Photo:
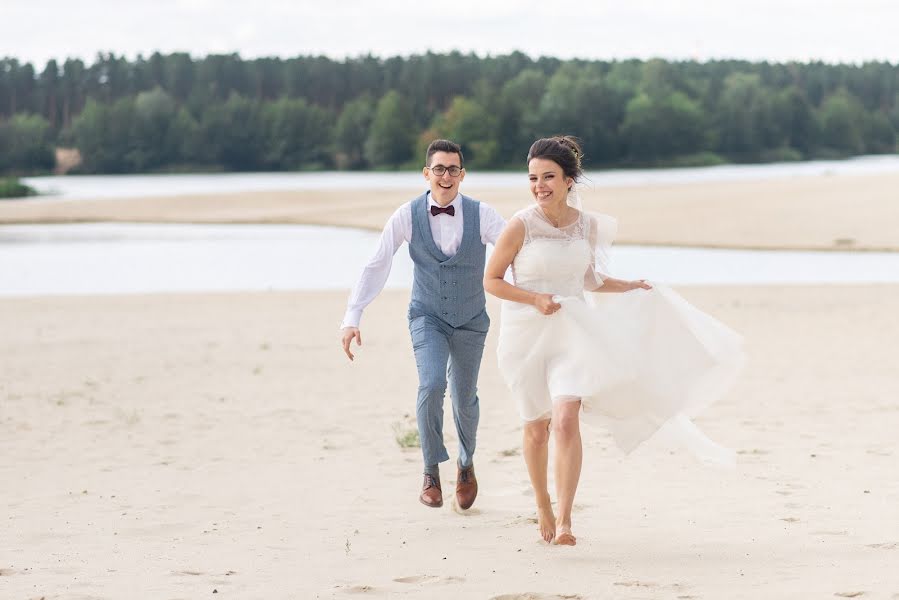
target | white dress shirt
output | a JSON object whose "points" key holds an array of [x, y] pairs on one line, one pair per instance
{"points": [[446, 231]]}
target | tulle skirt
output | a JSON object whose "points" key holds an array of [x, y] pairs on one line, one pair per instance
{"points": [[641, 362]]}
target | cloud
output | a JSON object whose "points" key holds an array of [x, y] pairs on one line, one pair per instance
{"points": [[702, 29]]}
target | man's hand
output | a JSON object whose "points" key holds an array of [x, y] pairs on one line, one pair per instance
{"points": [[348, 334]]}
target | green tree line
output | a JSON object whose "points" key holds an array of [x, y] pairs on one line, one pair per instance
{"points": [[175, 112]]}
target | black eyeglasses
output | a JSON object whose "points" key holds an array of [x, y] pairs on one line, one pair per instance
{"points": [[439, 170]]}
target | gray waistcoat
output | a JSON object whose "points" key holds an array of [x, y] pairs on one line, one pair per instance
{"points": [[451, 289]]}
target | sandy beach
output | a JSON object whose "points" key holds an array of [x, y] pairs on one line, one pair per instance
{"points": [[832, 212], [171, 446], [176, 446]]}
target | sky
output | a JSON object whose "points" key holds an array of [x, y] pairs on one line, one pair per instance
{"points": [[803, 30]]}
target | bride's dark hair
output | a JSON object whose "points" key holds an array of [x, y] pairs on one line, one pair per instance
{"points": [[564, 150]]}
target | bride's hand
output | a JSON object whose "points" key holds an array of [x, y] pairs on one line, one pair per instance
{"points": [[545, 304]]}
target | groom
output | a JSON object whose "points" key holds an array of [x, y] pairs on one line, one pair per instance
{"points": [[447, 235]]}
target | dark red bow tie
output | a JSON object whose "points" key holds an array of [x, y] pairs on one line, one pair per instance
{"points": [[436, 210]]}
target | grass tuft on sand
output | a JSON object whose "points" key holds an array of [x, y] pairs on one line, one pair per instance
{"points": [[406, 435]]}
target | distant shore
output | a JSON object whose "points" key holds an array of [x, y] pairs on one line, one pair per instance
{"points": [[11, 187], [828, 212]]}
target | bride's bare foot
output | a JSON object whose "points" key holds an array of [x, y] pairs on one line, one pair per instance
{"points": [[565, 537], [547, 522]]}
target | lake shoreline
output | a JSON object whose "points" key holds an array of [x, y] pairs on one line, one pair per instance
{"points": [[835, 212]]}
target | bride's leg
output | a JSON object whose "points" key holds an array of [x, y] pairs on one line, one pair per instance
{"points": [[569, 456], [536, 456]]}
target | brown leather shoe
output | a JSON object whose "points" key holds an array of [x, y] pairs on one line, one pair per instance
{"points": [[431, 494], [466, 487]]}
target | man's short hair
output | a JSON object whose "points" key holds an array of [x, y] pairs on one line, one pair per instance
{"points": [[444, 146]]}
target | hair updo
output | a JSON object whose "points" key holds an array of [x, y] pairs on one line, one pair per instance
{"points": [[563, 150]]}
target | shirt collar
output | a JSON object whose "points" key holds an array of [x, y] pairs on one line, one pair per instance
{"points": [[456, 201]]}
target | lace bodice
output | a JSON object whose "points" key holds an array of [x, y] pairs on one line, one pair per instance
{"points": [[557, 260]]}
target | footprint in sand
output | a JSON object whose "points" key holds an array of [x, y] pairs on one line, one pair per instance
{"points": [[430, 579], [849, 594], [359, 589], [882, 546], [755, 451], [6, 572], [194, 573], [829, 533], [638, 584], [879, 452], [536, 596]]}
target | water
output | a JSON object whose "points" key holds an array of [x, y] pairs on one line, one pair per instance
{"points": [[129, 186], [113, 258]]}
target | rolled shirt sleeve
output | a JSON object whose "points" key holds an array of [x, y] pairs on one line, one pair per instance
{"points": [[492, 224]]}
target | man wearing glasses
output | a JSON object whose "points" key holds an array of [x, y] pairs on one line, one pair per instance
{"points": [[447, 235]]}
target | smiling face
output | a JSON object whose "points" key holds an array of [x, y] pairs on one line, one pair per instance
{"points": [[444, 187], [549, 185]]}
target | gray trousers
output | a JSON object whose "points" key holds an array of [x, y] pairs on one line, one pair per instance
{"points": [[445, 352]]}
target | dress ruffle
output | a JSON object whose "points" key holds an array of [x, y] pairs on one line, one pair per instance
{"points": [[643, 362]]}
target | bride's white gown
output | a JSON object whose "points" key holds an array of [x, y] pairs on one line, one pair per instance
{"points": [[641, 361]]}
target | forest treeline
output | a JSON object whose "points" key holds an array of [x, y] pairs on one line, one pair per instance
{"points": [[221, 112]]}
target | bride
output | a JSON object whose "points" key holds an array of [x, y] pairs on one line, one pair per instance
{"points": [[640, 361]]}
